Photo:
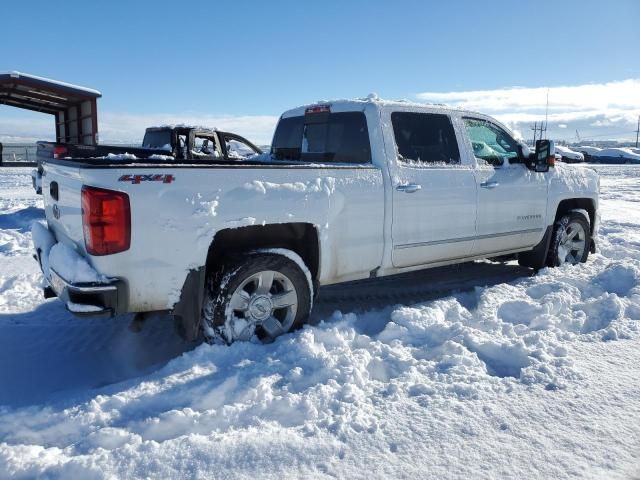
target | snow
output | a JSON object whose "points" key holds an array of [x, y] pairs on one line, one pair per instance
{"points": [[74, 268], [17, 75], [118, 156], [155, 156], [83, 308], [505, 376], [318, 185]]}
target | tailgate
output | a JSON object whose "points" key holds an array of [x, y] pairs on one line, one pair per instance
{"points": [[61, 190]]}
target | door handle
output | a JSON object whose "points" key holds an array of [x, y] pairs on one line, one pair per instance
{"points": [[489, 184], [409, 188]]}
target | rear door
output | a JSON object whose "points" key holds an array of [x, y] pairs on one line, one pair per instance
{"points": [[434, 190], [512, 199]]}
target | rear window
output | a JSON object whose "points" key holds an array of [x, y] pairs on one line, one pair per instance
{"points": [[325, 137], [157, 139], [426, 138]]}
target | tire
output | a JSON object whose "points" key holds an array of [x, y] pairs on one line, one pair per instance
{"points": [[261, 295], [571, 240]]}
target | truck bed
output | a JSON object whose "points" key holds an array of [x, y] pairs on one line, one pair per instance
{"points": [[105, 163], [45, 151]]}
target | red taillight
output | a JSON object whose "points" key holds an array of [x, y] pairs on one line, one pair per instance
{"points": [[106, 220], [59, 152]]}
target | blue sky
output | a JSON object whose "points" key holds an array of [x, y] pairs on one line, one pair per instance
{"points": [[221, 60]]}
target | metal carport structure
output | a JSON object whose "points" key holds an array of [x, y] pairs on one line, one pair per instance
{"points": [[74, 107]]}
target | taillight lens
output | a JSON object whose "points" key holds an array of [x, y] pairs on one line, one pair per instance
{"points": [[59, 152], [106, 221]]}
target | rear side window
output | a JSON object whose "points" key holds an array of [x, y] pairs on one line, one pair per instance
{"points": [[326, 137], [425, 138]]}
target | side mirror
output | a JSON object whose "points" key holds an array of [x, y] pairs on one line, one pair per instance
{"points": [[544, 156]]}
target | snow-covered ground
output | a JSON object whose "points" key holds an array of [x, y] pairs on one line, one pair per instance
{"points": [[480, 371]]}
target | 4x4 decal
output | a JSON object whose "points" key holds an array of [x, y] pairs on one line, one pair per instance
{"points": [[153, 177]]}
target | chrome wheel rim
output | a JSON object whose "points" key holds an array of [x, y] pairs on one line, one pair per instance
{"points": [[264, 304], [573, 242]]}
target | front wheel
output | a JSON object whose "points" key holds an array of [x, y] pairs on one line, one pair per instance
{"points": [[571, 240], [259, 295]]}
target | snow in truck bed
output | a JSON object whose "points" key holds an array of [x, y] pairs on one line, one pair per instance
{"points": [[480, 371]]}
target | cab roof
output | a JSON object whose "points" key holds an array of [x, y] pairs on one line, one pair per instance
{"points": [[372, 100], [345, 105]]}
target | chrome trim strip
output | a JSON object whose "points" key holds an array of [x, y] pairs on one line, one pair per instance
{"points": [[466, 239]]}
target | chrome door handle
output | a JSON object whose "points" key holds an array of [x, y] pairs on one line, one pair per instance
{"points": [[409, 188], [489, 184]]}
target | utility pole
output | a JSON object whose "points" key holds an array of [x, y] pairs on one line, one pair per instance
{"points": [[638, 131], [542, 128]]}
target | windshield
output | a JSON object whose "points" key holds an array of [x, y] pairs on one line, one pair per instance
{"points": [[335, 137], [157, 139]]}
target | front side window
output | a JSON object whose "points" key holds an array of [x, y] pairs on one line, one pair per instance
{"points": [[323, 137], [490, 143], [426, 138], [237, 149]]}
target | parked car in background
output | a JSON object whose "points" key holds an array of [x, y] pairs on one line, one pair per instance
{"points": [[588, 151], [616, 156], [568, 155]]}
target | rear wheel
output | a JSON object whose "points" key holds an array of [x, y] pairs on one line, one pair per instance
{"points": [[261, 295], [571, 240]]}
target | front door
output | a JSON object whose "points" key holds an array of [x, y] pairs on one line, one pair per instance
{"points": [[512, 199], [434, 193]]}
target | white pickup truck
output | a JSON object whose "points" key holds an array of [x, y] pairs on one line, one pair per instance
{"points": [[350, 190]]}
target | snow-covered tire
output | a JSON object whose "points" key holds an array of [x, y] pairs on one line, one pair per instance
{"points": [[571, 240], [258, 294]]}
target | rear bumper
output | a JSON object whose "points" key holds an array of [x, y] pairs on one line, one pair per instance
{"points": [[84, 299], [89, 299]]}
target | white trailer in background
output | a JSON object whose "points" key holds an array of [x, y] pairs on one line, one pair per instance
{"points": [[74, 110]]}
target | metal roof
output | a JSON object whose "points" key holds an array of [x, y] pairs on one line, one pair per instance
{"points": [[40, 94]]}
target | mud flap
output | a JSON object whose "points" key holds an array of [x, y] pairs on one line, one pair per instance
{"points": [[187, 311], [537, 258]]}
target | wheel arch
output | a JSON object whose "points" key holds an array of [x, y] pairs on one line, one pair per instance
{"points": [[301, 238], [569, 204]]}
